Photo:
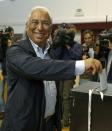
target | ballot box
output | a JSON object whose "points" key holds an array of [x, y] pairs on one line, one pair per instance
{"points": [[101, 110]]}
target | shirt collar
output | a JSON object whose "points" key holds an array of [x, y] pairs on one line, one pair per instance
{"points": [[37, 48]]}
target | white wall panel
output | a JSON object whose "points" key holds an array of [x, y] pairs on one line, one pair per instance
{"points": [[14, 12]]}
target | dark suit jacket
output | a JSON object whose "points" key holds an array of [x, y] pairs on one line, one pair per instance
{"points": [[26, 72]]}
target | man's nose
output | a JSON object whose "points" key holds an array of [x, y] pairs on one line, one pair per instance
{"points": [[40, 26]]}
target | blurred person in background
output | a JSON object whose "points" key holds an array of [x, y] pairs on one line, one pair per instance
{"points": [[6, 41], [88, 44], [89, 51], [10, 32], [109, 62], [104, 53], [66, 48]]}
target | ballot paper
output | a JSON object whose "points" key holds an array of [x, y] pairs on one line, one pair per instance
{"points": [[91, 52], [103, 80]]}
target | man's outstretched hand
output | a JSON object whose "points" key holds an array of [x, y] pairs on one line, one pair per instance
{"points": [[92, 66]]}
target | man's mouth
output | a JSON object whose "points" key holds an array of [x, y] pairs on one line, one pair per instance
{"points": [[39, 35]]}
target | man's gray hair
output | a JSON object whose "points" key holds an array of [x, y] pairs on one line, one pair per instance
{"points": [[40, 8]]}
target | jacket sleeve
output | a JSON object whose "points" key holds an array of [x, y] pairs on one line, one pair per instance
{"points": [[24, 64], [76, 52]]}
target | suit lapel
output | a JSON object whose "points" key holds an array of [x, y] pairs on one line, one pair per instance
{"points": [[26, 44]]}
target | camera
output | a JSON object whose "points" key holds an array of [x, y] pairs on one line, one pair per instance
{"points": [[8, 33], [63, 36], [104, 44], [85, 50], [104, 39], [4, 37]]}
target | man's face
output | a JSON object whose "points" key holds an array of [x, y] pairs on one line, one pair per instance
{"points": [[39, 27], [88, 39]]}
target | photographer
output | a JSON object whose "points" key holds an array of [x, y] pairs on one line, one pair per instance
{"points": [[65, 48], [89, 51], [105, 52], [5, 42], [10, 32], [1, 80], [89, 44]]}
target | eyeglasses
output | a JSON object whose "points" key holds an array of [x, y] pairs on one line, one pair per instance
{"points": [[45, 23]]}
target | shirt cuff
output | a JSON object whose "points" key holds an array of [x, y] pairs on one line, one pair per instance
{"points": [[79, 67]]}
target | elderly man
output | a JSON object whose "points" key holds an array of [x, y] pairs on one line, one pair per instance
{"points": [[33, 103]]}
